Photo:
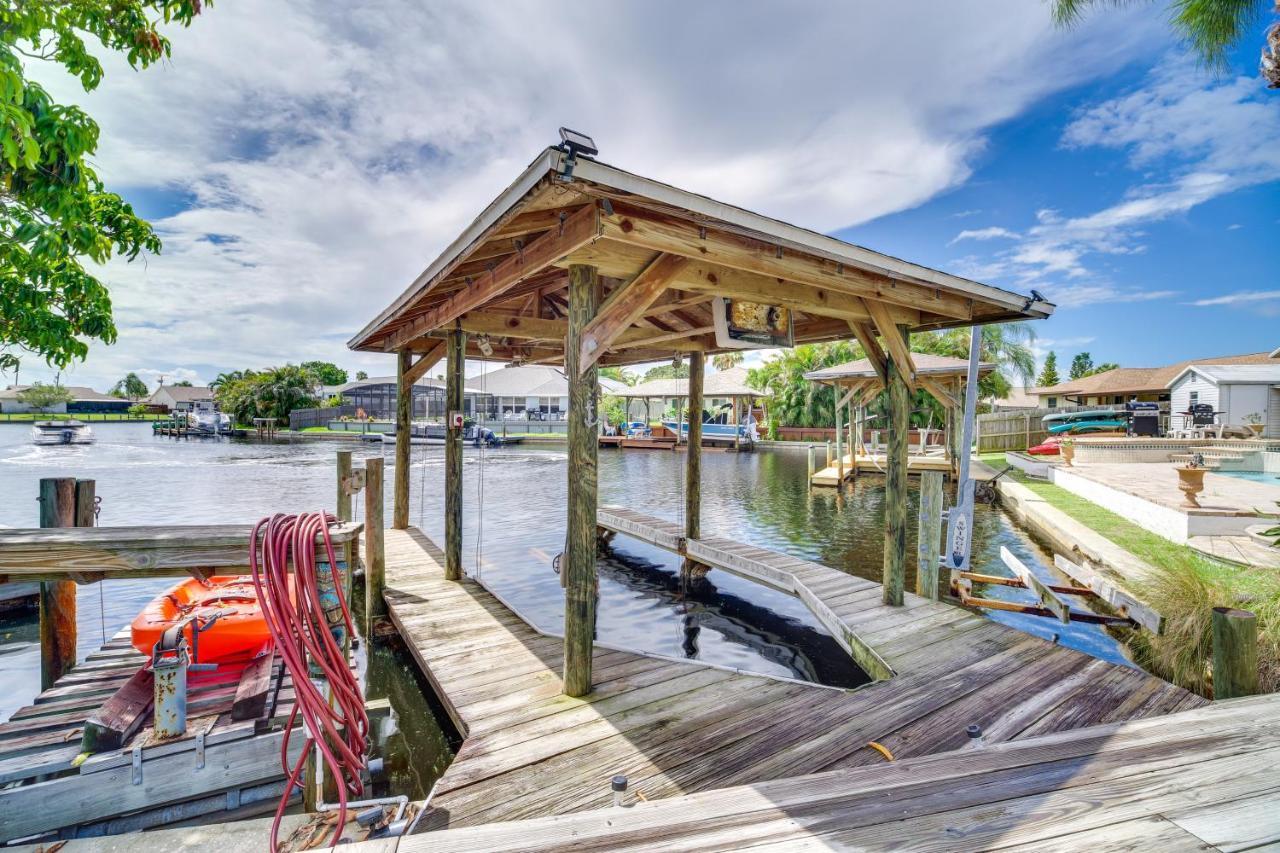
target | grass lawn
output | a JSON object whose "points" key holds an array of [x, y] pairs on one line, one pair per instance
{"points": [[87, 417], [1186, 587]]}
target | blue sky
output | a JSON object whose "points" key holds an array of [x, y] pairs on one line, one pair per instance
{"points": [[1225, 249], [303, 161]]}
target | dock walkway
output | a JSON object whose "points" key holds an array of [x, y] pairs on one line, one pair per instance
{"points": [[676, 727], [1199, 780], [876, 463]]}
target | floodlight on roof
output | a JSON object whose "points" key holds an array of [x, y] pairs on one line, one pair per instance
{"points": [[574, 143], [578, 143]]}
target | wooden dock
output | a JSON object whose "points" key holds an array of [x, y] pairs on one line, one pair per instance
{"points": [[876, 463], [1198, 780], [678, 727], [220, 764]]}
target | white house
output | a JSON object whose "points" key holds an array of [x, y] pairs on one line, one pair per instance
{"points": [[1242, 392], [530, 391], [179, 398]]}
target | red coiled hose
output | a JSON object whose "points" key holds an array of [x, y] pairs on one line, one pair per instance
{"points": [[301, 631]]}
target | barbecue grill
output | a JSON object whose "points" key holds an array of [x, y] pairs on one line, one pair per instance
{"points": [[1144, 418]]}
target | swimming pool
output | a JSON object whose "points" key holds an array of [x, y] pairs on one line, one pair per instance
{"points": [[1254, 476]]}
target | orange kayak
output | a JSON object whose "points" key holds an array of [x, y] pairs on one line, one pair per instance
{"points": [[238, 634]]}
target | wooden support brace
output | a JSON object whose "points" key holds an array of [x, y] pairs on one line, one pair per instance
{"points": [[863, 332], [893, 341], [626, 305], [425, 362], [1048, 598]]}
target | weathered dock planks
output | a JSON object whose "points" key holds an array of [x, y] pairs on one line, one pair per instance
{"points": [[238, 760], [676, 727], [1202, 779]]}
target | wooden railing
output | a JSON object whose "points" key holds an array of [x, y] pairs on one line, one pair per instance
{"points": [[91, 554]]}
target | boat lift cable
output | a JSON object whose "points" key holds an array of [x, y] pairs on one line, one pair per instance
{"points": [[306, 614], [484, 388]]}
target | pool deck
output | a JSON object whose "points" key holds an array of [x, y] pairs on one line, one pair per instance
{"points": [[1148, 492], [676, 727]]}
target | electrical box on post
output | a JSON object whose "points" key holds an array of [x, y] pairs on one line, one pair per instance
{"points": [[455, 420]]}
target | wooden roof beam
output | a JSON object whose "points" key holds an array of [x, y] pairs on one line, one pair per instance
{"points": [[536, 329], [574, 231], [891, 339], [625, 306], [640, 227], [712, 280]]}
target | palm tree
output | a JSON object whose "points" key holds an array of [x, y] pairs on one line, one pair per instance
{"points": [[1211, 27], [727, 360]]}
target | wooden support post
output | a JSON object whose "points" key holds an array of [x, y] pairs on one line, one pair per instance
{"points": [[693, 458], [839, 448], [853, 447], [375, 555], [344, 477], [404, 409], [736, 402], [57, 598], [929, 535], [456, 358], [579, 564], [1235, 653], [829, 460], [895, 502], [813, 459]]}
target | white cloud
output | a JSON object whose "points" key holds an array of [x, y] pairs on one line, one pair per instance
{"points": [[1244, 296], [1192, 139], [991, 233], [333, 149]]}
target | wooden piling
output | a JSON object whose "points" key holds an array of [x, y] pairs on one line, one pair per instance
{"points": [[455, 360], [853, 446], [693, 458], [1235, 653], [58, 508], [344, 476], [813, 459], [375, 558], [839, 450], [404, 409], [579, 563], [895, 504], [929, 535]]}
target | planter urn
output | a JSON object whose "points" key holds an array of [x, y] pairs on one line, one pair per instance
{"points": [[1191, 482], [1067, 452]]}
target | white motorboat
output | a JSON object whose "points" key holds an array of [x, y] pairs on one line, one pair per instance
{"points": [[61, 432], [205, 418]]}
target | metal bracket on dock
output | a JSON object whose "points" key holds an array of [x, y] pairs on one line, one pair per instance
{"points": [[353, 482], [199, 750], [137, 765]]}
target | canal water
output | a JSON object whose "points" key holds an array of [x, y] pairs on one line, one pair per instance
{"points": [[513, 528]]}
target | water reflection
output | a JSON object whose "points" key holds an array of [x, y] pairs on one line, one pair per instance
{"points": [[514, 501]]}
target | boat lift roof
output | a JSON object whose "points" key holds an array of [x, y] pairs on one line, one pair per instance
{"points": [[503, 279]]}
